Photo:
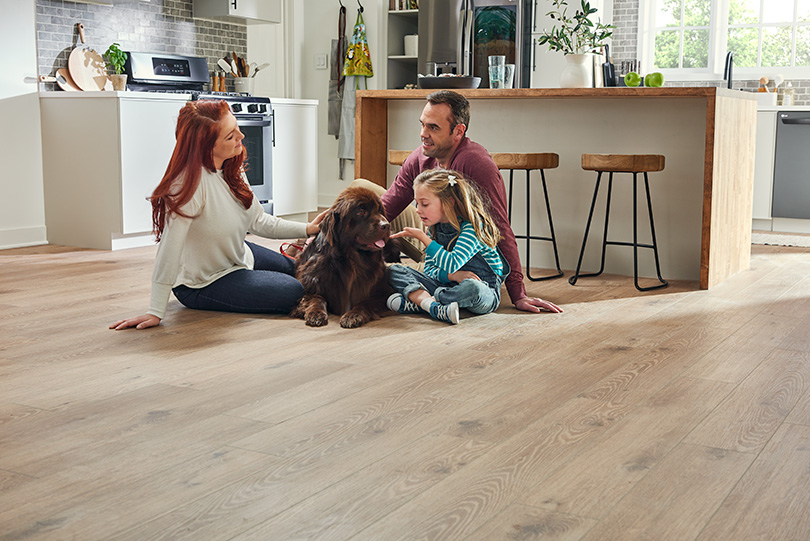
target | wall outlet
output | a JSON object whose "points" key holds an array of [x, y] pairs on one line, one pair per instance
{"points": [[321, 61]]}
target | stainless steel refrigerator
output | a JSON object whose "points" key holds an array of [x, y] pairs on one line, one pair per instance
{"points": [[458, 36]]}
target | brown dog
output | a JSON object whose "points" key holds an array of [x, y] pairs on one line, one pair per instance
{"points": [[343, 269]]}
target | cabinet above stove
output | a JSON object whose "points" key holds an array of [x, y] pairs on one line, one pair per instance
{"points": [[239, 11]]}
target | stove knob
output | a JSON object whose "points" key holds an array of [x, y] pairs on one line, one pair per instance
{"points": [[262, 108], [236, 107], [253, 108]]}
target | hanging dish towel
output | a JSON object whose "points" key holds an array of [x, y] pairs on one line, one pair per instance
{"points": [[358, 59], [336, 77]]}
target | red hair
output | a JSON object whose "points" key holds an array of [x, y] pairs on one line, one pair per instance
{"points": [[198, 127]]}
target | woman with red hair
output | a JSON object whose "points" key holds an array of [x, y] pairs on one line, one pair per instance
{"points": [[200, 211]]}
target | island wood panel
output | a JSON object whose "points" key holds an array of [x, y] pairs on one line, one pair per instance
{"points": [[728, 163], [728, 192]]}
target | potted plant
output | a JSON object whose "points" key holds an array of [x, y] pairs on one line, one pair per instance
{"points": [[115, 59], [576, 37]]}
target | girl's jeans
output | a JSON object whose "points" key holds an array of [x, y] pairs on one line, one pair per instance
{"points": [[474, 295], [270, 288]]}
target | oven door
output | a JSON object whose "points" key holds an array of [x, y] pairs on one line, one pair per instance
{"points": [[259, 140]]}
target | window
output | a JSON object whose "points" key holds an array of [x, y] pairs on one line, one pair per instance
{"points": [[688, 39]]}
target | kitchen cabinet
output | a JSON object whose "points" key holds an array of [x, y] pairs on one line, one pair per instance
{"points": [[763, 169], [295, 169], [239, 11], [401, 69], [103, 155]]}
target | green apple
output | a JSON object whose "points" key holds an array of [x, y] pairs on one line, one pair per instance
{"points": [[632, 79], [655, 79]]}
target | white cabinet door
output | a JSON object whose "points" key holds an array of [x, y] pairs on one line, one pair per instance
{"points": [[147, 142], [295, 164], [250, 11], [763, 164]]}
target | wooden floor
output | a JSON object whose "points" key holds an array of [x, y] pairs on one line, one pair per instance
{"points": [[677, 414]]}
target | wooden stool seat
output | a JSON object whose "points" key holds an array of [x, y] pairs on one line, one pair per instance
{"points": [[529, 161], [623, 163], [511, 160], [397, 157]]}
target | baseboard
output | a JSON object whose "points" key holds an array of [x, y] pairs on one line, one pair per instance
{"points": [[21, 237]]}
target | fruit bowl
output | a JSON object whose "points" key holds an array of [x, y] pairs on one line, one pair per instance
{"points": [[449, 82]]}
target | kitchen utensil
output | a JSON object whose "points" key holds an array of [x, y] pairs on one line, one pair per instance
{"points": [[87, 67], [65, 81], [260, 67], [608, 70], [224, 65], [252, 69], [234, 68]]}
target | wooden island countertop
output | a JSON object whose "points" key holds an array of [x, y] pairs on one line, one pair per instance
{"points": [[692, 126]]}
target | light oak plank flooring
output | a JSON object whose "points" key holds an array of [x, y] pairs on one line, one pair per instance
{"points": [[674, 414]]}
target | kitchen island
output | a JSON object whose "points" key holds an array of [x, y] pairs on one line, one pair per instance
{"points": [[702, 200]]}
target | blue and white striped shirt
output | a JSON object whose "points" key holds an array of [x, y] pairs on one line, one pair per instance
{"points": [[439, 262]]}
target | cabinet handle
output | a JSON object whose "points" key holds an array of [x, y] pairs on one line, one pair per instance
{"points": [[273, 116], [233, 3], [534, 16]]}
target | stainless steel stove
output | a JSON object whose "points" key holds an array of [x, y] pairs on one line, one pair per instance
{"points": [[178, 74]]}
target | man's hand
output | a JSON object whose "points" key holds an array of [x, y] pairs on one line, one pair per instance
{"points": [[533, 304]]}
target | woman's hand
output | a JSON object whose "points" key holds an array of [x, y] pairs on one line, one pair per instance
{"points": [[461, 275], [413, 232], [141, 322], [314, 226]]}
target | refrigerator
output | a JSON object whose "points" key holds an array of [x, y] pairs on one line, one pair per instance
{"points": [[458, 36]]}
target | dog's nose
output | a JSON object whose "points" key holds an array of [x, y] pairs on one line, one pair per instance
{"points": [[384, 225]]}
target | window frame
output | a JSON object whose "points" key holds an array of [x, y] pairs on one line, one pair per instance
{"points": [[718, 40]]}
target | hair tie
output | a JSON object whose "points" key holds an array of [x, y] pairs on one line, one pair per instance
{"points": [[451, 180]]}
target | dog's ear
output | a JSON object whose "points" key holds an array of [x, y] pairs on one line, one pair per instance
{"points": [[392, 251], [329, 226]]}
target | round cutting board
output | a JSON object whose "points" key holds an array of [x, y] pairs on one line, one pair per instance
{"points": [[86, 66]]}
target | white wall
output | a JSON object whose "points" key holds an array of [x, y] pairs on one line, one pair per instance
{"points": [[308, 29], [22, 207]]}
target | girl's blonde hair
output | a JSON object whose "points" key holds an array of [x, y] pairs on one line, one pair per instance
{"points": [[460, 199]]}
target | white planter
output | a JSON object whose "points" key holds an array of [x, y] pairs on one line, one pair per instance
{"points": [[578, 71]]}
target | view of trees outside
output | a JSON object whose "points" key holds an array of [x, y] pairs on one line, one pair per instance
{"points": [[690, 20]]}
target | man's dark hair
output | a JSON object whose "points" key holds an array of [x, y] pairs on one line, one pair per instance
{"points": [[459, 106]]}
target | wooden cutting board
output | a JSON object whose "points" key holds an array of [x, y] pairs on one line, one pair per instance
{"points": [[86, 66]]}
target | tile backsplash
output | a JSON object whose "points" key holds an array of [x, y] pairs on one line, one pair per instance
{"points": [[164, 26]]}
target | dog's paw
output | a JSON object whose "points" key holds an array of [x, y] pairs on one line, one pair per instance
{"points": [[352, 321], [316, 319]]}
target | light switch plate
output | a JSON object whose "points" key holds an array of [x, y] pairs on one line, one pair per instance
{"points": [[321, 61]]}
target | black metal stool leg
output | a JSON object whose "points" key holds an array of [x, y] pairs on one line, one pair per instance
{"points": [[654, 245], [575, 277], [530, 238]]}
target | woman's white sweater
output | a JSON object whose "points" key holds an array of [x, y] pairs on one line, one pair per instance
{"points": [[196, 251]]}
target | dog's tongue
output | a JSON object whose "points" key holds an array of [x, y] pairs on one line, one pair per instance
{"points": [[380, 243]]}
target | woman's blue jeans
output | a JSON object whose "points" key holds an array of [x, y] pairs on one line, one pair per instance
{"points": [[474, 295], [270, 288]]}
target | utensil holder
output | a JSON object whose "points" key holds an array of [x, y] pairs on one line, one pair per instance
{"points": [[243, 85]]}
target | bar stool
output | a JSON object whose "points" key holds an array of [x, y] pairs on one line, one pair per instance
{"points": [[397, 157], [529, 162], [622, 163]]}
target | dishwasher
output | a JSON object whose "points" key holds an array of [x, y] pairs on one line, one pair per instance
{"points": [[791, 170]]}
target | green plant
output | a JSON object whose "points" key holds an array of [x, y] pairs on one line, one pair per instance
{"points": [[115, 58], [577, 34]]}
